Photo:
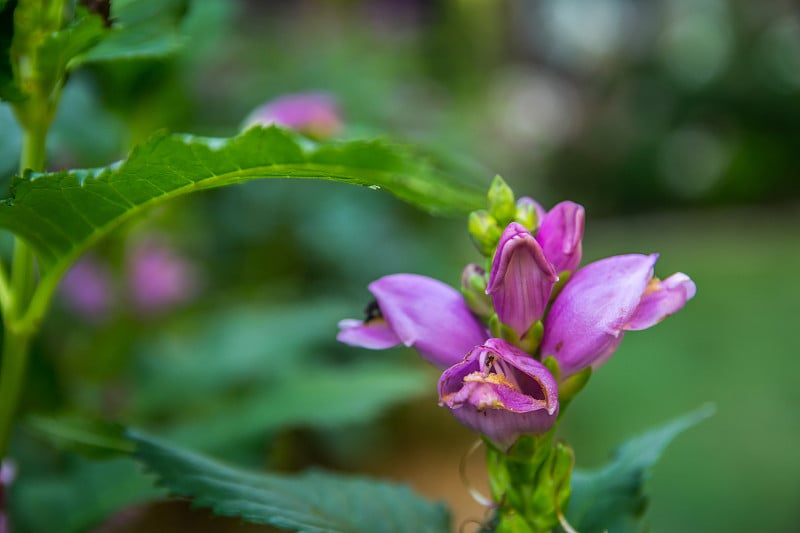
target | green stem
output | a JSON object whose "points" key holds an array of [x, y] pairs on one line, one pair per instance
{"points": [[12, 378], [17, 294]]}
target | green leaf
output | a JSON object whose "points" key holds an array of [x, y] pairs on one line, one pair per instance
{"points": [[255, 345], [89, 437], [142, 29], [61, 214], [313, 502], [79, 496], [59, 48], [612, 498]]}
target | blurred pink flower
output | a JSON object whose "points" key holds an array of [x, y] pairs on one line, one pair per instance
{"points": [[314, 114], [87, 288], [159, 278]]}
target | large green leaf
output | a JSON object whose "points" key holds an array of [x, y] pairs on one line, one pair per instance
{"points": [[612, 498], [61, 214], [313, 502]]}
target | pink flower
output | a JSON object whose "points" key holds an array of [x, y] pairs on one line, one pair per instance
{"points": [[159, 278], [87, 288], [500, 391], [521, 279], [315, 114], [420, 312], [601, 301]]}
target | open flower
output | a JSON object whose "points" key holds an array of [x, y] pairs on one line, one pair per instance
{"points": [[420, 312], [521, 279], [500, 391], [601, 301]]}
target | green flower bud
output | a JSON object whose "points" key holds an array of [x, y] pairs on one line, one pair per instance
{"points": [[485, 231], [528, 213], [473, 287], [501, 201]]}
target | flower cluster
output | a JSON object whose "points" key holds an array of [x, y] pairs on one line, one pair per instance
{"points": [[512, 335]]}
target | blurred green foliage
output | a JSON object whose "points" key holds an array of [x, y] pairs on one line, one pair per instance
{"points": [[675, 122]]}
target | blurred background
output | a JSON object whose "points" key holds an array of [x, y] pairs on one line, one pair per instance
{"points": [[676, 123]]}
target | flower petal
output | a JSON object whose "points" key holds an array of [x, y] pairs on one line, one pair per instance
{"points": [[521, 279], [428, 315], [374, 334], [661, 299], [585, 323], [560, 235]]}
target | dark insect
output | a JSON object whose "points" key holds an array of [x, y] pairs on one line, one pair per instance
{"points": [[372, 311]]}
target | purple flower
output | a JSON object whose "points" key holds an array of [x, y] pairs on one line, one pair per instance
{"points": [[604, 299], [521, 279], [560, 234], [313, 113], [500, 391], [87, 288], [159, 278], [420, 312]]}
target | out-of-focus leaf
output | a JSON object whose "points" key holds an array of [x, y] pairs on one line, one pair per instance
{"points": [[612, 498], [61, 214], [231, 348], [315, 397], [78, 498], [141, 29], [313, 502], [83, 435], [59, 48]]}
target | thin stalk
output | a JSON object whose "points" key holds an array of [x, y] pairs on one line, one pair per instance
{"points": [[5, 290], [12, 379], [20, 291]]}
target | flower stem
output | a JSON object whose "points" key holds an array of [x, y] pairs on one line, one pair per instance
{"points": [[12, 378], [16, 294]]}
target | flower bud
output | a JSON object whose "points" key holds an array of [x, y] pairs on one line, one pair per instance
{"points": [[485, 231], [501, 201], [528, 213], [473, 288]]}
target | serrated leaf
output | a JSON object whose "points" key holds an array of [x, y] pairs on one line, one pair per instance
{"points": [[313, 502], [61, 214], [612, 498]]}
